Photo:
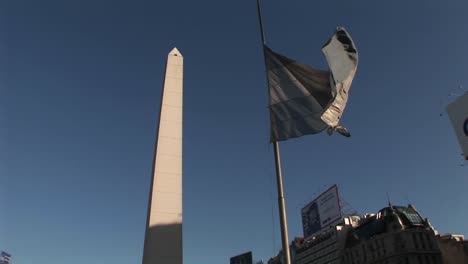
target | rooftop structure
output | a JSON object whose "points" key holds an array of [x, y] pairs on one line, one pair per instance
{"points": [[396, 234]]}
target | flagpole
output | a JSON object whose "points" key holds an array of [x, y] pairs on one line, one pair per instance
{"points": [[279, 175], [282, 205]]}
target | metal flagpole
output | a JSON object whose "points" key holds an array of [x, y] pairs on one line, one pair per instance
{"points": [[279, 176], [282, 205]]}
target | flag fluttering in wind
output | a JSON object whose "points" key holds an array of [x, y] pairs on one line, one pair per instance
{"points": [[305, 100], [5, 258], [458, 113]]}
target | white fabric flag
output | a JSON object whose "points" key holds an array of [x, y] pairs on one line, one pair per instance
{"points": [[305, 100], [458, 113], [342, 59]]}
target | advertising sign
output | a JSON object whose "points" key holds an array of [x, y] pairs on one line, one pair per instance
{"points": [[245, 258], [322, 212], [458, 113]]}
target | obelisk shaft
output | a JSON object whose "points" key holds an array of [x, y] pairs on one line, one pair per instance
{"points": [[163, 238]]}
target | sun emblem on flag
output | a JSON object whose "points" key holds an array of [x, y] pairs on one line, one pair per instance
{"points": [[465, 127]]}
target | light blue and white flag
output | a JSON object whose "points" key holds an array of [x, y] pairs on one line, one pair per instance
{"points": [[458, 113], [305, 100], [5, 258]]}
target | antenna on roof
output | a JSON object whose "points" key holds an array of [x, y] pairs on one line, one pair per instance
{"points": [[388, 199], [346, 208], [407, 198]]}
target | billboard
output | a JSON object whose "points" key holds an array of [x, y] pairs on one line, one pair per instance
{"points": [[245, 258], [458, 113], [322, 212]]}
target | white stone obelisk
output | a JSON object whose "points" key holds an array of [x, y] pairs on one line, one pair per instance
{"points": [[163, 238]]}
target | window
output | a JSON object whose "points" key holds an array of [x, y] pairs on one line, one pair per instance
{"points": [[422, 240], [415, 241], [414, 218], [410, 214], [429, 241], [364, 253]]}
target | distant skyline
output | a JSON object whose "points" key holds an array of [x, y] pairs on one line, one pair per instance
{"points": [[81, 85]]}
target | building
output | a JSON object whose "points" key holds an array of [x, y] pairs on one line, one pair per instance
{"points": [[245, 258], [295, 244], [327, 246], [454, 248], [275, 260], [395, 235], [324, 248]]}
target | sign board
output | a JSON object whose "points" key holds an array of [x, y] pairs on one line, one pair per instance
{"points": [[322, 212], [245, 258], [458, 113]]}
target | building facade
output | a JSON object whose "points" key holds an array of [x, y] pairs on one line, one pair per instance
{"points": [[454, 248], [396, 235], [295, 244], [327, 247]]}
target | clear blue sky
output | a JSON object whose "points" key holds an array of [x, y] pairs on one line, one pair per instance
{"points": [[80, 93]]}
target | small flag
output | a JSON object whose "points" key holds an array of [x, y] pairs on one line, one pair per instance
{"points": [[5, 258], [305, 100], [458, 113]]}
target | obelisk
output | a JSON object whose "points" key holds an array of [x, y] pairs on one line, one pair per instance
{"points": [[163, 238]]}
